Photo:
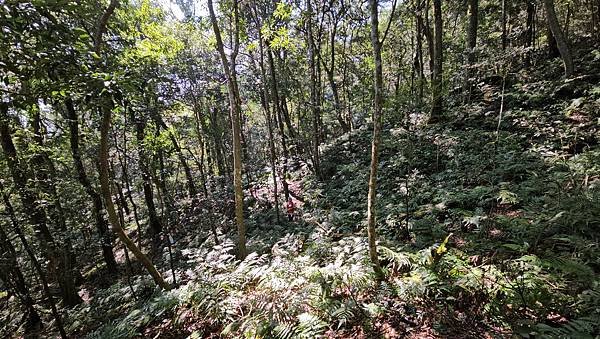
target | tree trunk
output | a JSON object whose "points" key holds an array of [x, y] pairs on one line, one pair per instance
{"points": [[330, 72], [192, 191], [436, 84], [504, 36], [122, 157], [471, 42], [28, 196], [154, 224], [106, 106], [11, 274], [36, 264], [314, 104], [430, 41], [235, 110], [561, 41], [529, 30], [201, 146], [97, 208], [277, 112], [377, 122], [265, 104], [110, 208], [472, 31], [553, 51], [45, 172], [217, 142], [283, 109], [418, 62]]}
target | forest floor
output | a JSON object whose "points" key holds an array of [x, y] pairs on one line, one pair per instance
{"points": [[486, 229]]}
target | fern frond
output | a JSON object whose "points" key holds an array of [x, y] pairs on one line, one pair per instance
{"points": [[400, 262]]}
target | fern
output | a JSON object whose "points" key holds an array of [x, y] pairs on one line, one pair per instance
{"points": [[310, 326], [400, 262], [286, 330], [345, 313], [579, 328], [569, 266]]}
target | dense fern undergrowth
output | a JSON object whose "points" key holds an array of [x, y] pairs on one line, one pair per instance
{"points": [[488, 227]]}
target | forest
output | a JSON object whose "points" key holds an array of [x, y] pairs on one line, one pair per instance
{"points": [[299, 169]]}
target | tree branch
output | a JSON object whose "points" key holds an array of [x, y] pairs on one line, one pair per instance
{"points": [[387, 29]]}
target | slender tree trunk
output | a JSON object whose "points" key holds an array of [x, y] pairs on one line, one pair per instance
{"points": [[430, 41], [201, 144], [314, 104], [529, 29], [472, 31], [153, 221], [106, 106], [436, 84], [110, 208], [418, 62], [122, 157], [330, 73], [168, 210], [561, 41], [265, 102], [345, 87], [192, 191], [282, 104], [97, 208], [504, 23], [217, 142], [377, 122], [32, 257], [11, 274], [279, 120], [235, 110], [45, 173]]}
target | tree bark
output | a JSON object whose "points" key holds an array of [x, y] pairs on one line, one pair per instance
{"points": [[110, 208], [504, 36], [154, 224], [277, 112], [105, 187], [561, 41], [45, 172], [97, 208], [11, 274], [314, 104], [436, 83], [418, 61], [265, 104], [529, 29], [472, 31], [192, 191], [377, 122], [36, 264], [235, 110]]}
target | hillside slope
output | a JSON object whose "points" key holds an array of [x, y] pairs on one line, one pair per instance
{"points": [[486, 229]]}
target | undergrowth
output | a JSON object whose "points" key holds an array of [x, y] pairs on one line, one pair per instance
{"points": [[485, 229]]}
